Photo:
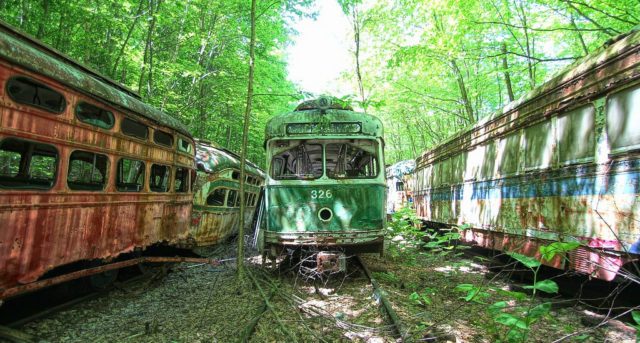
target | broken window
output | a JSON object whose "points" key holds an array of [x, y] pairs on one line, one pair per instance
{"points": [[184, 145], [295, 161], [231, 198], [353, 159], [28, 91], [159, 180], [27, 165], [130, 175], [181, 183], [216, 198], [87, 171]]}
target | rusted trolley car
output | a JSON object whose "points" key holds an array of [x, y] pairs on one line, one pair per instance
{"points": [[87, 171], [216, 203], [560, 164], [325, 187]]}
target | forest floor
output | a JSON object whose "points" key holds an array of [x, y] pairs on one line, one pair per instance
{"points": [[202, 303]]}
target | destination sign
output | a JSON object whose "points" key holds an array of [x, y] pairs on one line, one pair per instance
{"points": [[323, 128]]}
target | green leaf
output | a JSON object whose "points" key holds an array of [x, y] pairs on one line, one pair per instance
{"points": [[497, 307], [530, 262], [414, 296], [426, 299], [539, 311], [547, 286], [464, 287], [636, 316], [510, 320], [548, 252]]}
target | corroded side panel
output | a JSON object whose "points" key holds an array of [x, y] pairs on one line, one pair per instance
{"points": [[45, 229]]}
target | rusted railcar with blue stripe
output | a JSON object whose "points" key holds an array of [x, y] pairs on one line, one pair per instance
{"points": [[325, 185], [88, 171], [216, 202], [560, 164]]}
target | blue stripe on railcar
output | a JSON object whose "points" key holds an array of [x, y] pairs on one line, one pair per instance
{"points": [[623, 178]]}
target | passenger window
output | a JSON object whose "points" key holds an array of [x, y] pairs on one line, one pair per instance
{"points": [[27, 165], [247, 199], [130, 175], [235, 175], [355, 159], [231, 198], [134, 129], [576, 137], [94, 115], [159, 180], [623, 113], [216, 198], [27, 91], [509, 147], [87, 171], [538, 142], [163, 138], [184, 145], [181, 182], [487, 161]]}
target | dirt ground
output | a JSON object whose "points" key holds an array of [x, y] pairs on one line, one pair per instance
{"points": [[201, 303]]}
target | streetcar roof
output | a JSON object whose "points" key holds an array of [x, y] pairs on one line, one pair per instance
{"points": [[322, 117], [212, 159], [27, 52]]}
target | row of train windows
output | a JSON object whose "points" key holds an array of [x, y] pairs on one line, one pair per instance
{"points": [[248, 179], [27, 91], [569, 138], [29, 165], [230, 198]]}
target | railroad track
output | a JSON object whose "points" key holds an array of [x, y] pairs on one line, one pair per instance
{"points": [[273, 294]]}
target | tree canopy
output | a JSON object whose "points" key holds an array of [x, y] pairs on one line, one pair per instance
{"points": [[431, 68], [189, 58]]}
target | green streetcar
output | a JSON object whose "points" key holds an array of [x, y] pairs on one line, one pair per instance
{"points": [[325, 188]]}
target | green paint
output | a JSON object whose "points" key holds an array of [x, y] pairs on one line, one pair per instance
{"points": [[354, 207]]}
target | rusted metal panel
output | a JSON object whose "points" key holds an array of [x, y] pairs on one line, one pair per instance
{"points": [[519, 196], [50, 228]]}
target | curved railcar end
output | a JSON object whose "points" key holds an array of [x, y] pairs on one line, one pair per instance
{"points": [[560, 164], [325, 185], [216, 202]]}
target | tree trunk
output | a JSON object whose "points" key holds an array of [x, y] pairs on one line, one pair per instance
{"points": [[126, 40], [505, 70], [245, 134], [45, 19], [463, 92]]}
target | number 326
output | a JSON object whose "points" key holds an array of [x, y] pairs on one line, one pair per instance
{"points": [[321, 194]]}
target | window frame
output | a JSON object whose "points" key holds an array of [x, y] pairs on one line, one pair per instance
{"points": [[224, 198], [82, 102], [155, 131], [40, 83], [144, 176], [57, 165], [124, 118], [168, 189], [105, 182]]}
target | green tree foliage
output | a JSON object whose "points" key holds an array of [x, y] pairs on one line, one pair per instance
{"points": [[431, 68], [187, 57]]}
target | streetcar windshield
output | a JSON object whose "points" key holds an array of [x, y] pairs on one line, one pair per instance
{"points": [[296, 161], [352, 159], [344, 159]]}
